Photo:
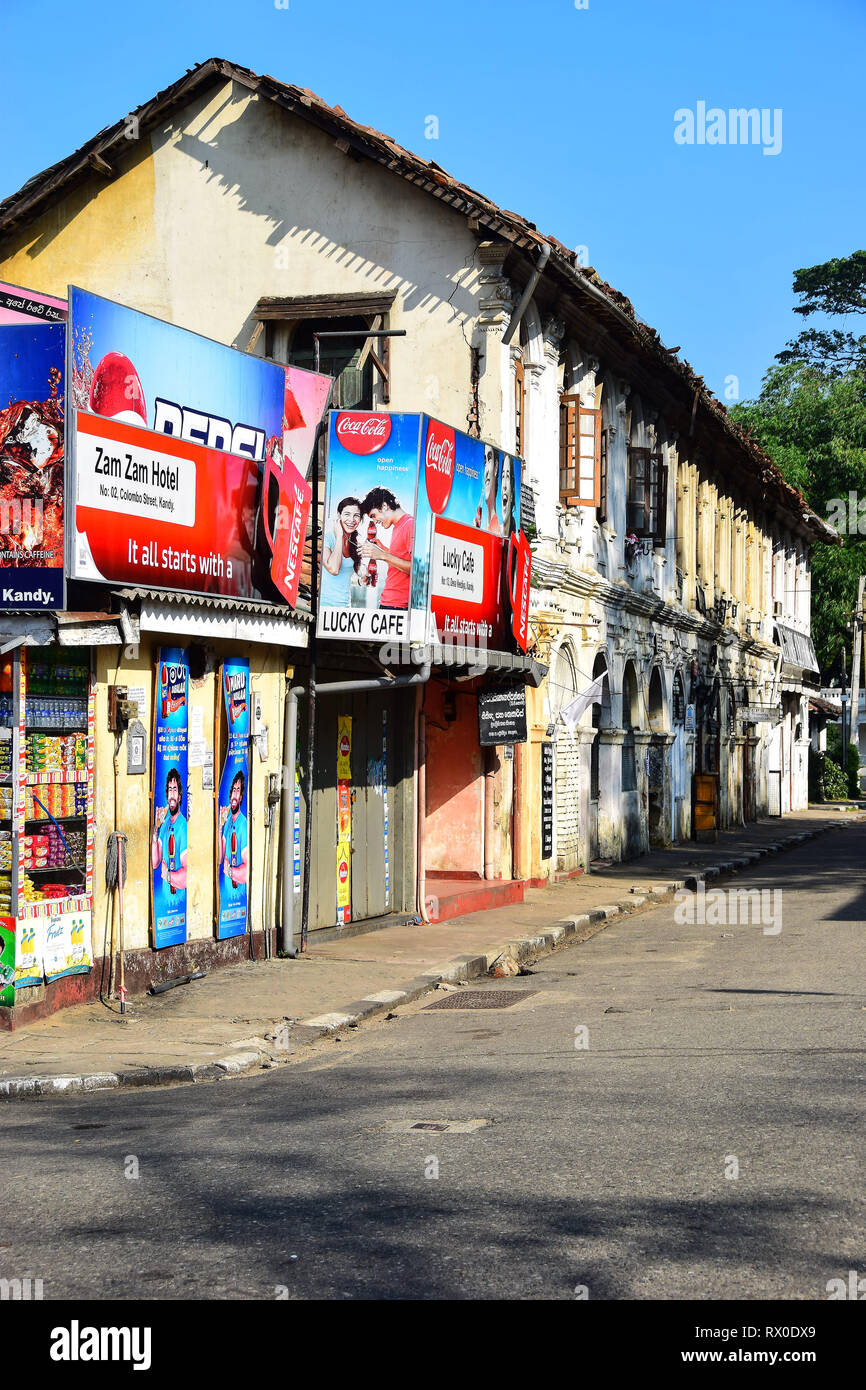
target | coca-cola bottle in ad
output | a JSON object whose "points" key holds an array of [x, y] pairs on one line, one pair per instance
{"points": [[372, 566], [233, 858], [171, 859]]}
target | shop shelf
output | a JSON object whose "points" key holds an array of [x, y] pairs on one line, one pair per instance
{"points": [[46, 820], [56, 728], [56, 777]]}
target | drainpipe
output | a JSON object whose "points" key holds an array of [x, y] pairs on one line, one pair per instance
{"points": [[543, 258], [287, 925], [421, 818], [517, 813], [489, 822], [287, 821]]}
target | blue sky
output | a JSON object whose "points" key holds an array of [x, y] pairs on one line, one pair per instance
{"points": [[564, 115]]}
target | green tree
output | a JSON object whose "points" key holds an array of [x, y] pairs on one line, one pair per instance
{"points": [[836, 288], [811, 419]]}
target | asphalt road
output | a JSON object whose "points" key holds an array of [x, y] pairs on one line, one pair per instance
{"points": [[605, 1162]]}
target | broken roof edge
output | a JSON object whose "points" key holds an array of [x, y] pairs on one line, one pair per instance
{"points": [[38, 192]]}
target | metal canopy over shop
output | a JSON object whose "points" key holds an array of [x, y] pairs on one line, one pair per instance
{"points": [[187, 615], [468, 662]]}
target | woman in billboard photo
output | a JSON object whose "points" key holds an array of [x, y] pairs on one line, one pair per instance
{"points": [[507, 496], [341, 556], [486, 518]]}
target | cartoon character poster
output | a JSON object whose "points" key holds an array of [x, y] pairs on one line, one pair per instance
{"points": [[168, 841], [233, 859], [32, 424]]}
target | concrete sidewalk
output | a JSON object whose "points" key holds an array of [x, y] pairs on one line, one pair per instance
{"points": [[259, 1014]]}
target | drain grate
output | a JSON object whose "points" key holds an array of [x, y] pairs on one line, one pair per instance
{"points": [[481, 999]]}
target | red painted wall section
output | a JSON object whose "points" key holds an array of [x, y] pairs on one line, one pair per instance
{"points": [[455, 783]]}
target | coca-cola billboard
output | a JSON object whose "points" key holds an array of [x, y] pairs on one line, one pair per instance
{"points": [[368, 531], [421, 538], [439, 451], [361, 432]]}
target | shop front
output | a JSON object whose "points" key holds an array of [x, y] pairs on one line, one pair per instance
{"points": [[424, 569], [151, 633]]}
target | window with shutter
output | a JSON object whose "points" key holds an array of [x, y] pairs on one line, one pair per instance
{"points": [[579, 453], [646, 505], [601, 509]]}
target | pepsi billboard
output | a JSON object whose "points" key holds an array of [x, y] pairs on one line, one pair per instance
{"points": [[187, 458]]}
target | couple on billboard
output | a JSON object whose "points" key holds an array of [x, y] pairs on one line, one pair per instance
{"points": [[350, 563]]}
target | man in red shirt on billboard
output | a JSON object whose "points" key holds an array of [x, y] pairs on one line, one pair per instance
{"points": [[382, 507]]}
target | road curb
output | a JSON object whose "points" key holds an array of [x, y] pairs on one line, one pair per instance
{"points": [[255, 1053]]}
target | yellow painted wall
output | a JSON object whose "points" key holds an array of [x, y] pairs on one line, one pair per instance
{"points": [[96, 237]]}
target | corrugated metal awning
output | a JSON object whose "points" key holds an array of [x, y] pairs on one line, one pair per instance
{"points": [[474, 661], [198, 615]]}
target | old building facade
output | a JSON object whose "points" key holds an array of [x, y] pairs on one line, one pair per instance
{"points": [[668, 554]]}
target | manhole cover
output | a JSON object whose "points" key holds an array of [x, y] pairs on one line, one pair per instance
{"points": [[481, 999], [413, 1126]]}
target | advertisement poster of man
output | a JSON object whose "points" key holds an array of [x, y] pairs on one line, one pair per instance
{"points": [[233, 802], [184, 457], [32, 423], [168, 843], [369, 526]]}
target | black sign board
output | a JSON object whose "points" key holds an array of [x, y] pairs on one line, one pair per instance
{"points": [[527, 511], [547, 800], [502, 716]]}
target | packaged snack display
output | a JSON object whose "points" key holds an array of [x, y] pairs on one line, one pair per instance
{"points": [[44, 714]]}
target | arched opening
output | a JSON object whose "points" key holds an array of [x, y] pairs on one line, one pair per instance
{"points": [[656, 702], [658, 783], [630, 721], [600, 720], [562, 690]]}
